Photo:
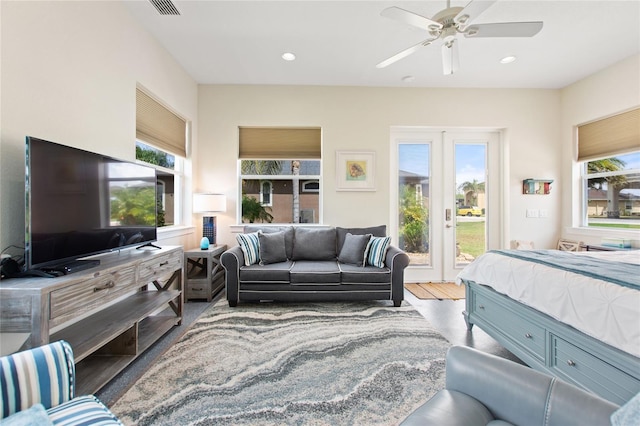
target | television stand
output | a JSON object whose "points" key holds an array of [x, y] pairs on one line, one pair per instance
{"points": [[110, 314], [74, 266], [148, 245]]}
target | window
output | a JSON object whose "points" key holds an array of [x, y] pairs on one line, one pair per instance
{"points": [[609, 153], [161, 139], [612, 188], [282, 198], [280, 173], [169, 177], [265, 193], [311, 186]]}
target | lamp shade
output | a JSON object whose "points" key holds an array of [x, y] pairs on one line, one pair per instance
{"points": [[205, 202]]}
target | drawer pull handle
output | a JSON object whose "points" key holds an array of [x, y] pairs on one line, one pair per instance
{"points": [[164, 263], [198, 289], [528, 336], [108, 285], [481, 306], [571, 363]]}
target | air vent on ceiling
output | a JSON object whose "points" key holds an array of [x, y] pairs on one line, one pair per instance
{"points": [[165, 7]]}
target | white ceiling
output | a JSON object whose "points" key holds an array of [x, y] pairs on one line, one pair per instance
{"points": [[340, 42]]}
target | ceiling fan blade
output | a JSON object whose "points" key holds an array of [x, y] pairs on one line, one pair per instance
{"points": [[504, 29], [410, 18], [471, 11], [404, 53], [450, 57]]}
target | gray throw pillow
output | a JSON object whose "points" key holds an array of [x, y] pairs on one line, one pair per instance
{"points": [[353, 249], [376, 231], [268, 229], [272, 248], [314, 244]]}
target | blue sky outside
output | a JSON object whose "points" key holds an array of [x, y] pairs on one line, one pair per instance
{"points": [[470, 161]]}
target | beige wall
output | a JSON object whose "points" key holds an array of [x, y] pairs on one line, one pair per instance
{"points": [[360, 118], [610, 91], [69, 74]]}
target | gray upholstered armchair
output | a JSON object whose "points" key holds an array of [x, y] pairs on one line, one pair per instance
{"points": [[484, 389]]}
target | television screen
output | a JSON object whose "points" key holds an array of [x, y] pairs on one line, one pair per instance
{"points": [[79, 203]]}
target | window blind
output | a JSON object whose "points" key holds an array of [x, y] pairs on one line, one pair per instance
{"points": [[280, 143], [157, 125], [610, 136]]}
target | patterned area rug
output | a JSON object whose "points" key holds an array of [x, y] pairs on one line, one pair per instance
{"points": [[361, 363], [440, 291]]}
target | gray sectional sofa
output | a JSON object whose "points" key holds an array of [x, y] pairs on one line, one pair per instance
{"points": [[296, 264]]}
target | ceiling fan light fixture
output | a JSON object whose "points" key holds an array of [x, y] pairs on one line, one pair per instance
{"points": [[288, 56], [508, 59]]}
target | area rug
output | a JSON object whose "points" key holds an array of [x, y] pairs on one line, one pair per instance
{"points": [[440, 291], [361, 363]]}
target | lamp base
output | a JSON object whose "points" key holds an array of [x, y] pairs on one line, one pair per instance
{"points": [[209, 228]]}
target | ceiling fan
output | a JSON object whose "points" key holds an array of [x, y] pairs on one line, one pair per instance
{"points": [[450, 22]]}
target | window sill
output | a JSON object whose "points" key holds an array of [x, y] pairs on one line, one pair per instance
{"points": [[595, 234], [238, 229], [166, 232]]}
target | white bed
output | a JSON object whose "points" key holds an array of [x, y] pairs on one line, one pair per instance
{"points": [[574, 317], [609, 312]]}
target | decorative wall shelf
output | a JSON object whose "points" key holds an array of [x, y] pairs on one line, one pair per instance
{"points": [[537, 186]]}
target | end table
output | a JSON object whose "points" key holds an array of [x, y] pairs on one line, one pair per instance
{"points": [[203, 273]]}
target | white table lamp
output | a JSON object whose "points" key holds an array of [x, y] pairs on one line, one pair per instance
{"points": [[209, 203]]}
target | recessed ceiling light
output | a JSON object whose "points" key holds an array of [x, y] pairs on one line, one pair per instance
{"points": [[408, 78], [507, 59], [288, 56]]}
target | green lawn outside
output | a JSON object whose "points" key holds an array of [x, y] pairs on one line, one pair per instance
{"points": [[471, 236], [615, 225]]}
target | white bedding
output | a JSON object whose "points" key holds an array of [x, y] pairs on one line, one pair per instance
{"points": [[606, 311]]}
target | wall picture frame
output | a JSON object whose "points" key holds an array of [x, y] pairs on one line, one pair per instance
{"points": [[355, 170]]}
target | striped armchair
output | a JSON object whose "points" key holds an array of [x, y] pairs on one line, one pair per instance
{"points": [[42, 379]]}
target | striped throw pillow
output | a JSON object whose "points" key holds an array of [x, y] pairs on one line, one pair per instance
{"points": [[377, 250], [250, 245]]}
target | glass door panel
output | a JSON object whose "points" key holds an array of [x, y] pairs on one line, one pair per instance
{"points": [[413, 201], [471, 202]]}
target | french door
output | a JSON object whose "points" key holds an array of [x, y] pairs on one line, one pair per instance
{"points": [[446, 208]]}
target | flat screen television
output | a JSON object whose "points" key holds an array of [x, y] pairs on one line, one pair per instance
{"points": [[80, 203]]}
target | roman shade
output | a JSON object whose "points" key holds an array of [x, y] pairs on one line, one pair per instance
{"points": [[610, 136], [280, 143], [158, 126]]}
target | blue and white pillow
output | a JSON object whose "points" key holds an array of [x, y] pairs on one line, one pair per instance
{"points": [[377, 251], [250, 245]]}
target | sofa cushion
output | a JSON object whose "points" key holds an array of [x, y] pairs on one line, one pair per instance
{"points": [[34, 416], [273, 272], [83, 410], [377, 251], [353, 249], [250, 245], [628, 414], [351, 274], [341, 233], [315, 272], [314, 244], [272, 248], [268, 229]]}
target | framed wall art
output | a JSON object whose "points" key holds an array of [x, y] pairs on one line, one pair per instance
{"points": [[355, 170]]}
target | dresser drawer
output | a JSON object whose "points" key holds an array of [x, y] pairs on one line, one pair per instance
{"points": [[155, 268], [526, 334], [586, 370], [83, 296]]}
